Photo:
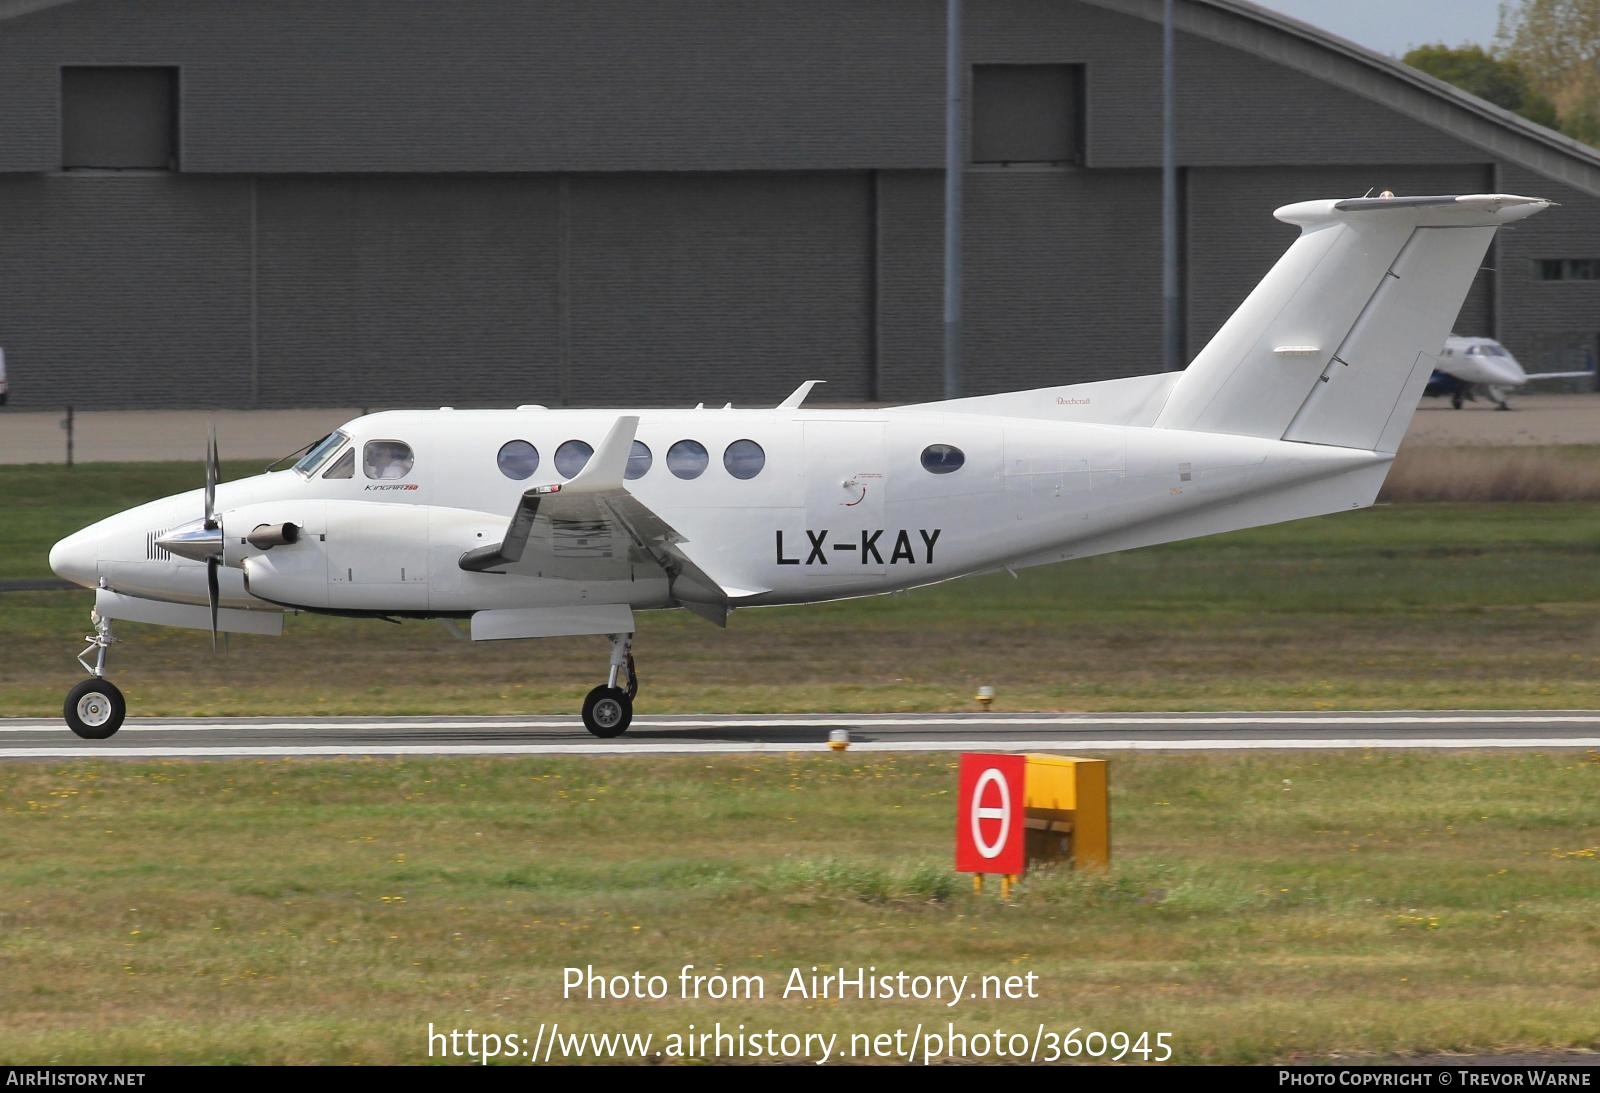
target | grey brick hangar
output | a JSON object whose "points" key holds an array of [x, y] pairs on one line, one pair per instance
{"points": [[270, 203]]}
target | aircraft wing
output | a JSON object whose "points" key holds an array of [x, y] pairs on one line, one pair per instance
{"points": [[593, 528], [1587, 373]]}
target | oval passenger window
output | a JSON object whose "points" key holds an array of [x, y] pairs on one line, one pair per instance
{"points": [[518, 459], [687, 459], [571, 457], [942, 458], [744, 459], [639, 460]]}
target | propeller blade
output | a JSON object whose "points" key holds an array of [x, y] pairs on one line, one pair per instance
{"points": [[213, 473], [213, 594]]}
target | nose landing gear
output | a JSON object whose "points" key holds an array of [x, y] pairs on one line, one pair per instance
{"points": [[608, 709], [94, 709]]}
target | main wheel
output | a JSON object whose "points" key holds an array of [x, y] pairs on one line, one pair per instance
{"points": [[1456, 400], [94, 709], [607, 711]]}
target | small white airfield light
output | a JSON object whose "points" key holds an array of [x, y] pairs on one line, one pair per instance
{"points": [[985, 696]]}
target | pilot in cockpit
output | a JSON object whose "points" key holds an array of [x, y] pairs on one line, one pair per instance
{"points": [[387, 459]]}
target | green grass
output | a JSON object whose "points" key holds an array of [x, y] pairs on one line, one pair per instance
{"points": [[1268, 907], [1417, 605]]}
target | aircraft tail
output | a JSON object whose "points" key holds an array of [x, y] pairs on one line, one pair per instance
{"points": [[1336, 343]]}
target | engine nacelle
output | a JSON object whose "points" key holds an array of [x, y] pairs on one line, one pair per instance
{"points": [[367, 556], [244, 526]]}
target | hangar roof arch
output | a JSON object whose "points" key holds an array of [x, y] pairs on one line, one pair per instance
{"points": [[1287, 41]]}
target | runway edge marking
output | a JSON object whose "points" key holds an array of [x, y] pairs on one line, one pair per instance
{"points": [[740, 747]]}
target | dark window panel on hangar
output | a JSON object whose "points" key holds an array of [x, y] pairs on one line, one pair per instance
{"points": [[1569, 269], [119, 118], [1027, 114]]}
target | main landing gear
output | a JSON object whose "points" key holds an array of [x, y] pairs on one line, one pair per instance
{"points": [[608, 709], [94, 709]]}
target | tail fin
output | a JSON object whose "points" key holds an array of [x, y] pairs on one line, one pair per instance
{"points": [[1336, 342]]}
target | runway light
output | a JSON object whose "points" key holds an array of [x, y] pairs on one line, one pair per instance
{"points": [[985, 697], [839, 739]]}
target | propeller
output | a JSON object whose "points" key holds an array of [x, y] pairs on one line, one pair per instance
{"points": [[213, 561], [201, 541]]}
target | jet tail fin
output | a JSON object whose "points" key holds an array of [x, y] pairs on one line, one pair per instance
{"points": [[1336, 343]]}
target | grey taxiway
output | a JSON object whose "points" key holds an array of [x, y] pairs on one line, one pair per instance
{"points": [[245, 737]]}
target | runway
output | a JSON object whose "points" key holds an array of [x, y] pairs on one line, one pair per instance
{"points": [[247, 737]]}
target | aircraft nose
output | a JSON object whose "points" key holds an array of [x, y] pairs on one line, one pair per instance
{"points": [[75, 559], [1509, 373]]}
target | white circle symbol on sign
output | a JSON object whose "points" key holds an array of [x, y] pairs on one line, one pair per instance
{"points": [[982, 812]]}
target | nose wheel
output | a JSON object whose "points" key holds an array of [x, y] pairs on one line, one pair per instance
{"points": [[94, 709], [608, 709]]}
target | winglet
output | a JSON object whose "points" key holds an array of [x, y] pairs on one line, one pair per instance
{"points": [[605, 468], [793, 401]]}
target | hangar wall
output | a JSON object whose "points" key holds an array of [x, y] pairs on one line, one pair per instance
{"points": [[622, 202], [1551, 325]]}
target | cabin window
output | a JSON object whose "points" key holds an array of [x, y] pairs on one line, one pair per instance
{"points": [[687, 459], [343, 467], [639, 460], [572, 457], [744, 459], [518, 459], [942, 458], [386, 460]]}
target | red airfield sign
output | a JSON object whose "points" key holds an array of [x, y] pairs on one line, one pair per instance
{"points": [[989, 814]]}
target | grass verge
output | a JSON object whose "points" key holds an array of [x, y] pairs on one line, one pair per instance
{"points": [[1261, 908]]}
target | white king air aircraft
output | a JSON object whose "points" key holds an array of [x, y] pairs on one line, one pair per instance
{"points": [[545, 523]]}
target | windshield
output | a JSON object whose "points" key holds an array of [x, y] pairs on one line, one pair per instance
{"points": [[320, 451]]}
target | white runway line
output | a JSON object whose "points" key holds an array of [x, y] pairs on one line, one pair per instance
{"points": [[865, 722], [643, 748]]}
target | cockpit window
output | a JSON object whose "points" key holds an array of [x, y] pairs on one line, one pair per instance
{"points": [[320, 451], [386, 459], [343, 467]]}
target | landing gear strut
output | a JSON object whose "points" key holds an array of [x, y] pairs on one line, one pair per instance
{"points": [[94, 709], [608, 709]]}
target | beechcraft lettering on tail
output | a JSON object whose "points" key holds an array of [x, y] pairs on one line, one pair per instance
{"points": [[875, 547], [536, 523]]}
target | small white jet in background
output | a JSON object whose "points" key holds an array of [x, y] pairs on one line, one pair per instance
{"points": [[548, 523], [1469, 365]]}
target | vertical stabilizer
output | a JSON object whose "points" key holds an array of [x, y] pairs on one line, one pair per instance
{"points": [[1335, 343]]}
